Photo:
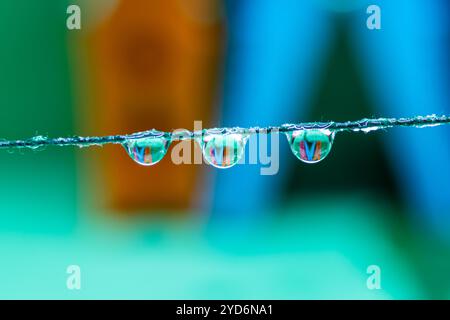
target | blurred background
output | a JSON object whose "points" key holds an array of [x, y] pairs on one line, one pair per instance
{"points": [[195, 232]]}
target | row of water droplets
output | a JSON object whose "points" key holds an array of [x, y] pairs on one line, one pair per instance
{"points": [[223, 148]]}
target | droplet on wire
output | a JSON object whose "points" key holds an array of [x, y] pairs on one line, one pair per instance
{"points": [[147, 151], [311, 145], [223, 150]]}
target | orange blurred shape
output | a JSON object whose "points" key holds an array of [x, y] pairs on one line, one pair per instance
{"points": [[155, 65]]}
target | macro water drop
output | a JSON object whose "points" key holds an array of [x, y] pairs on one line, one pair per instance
{"points": [[147, 151], [311, 145], [223, 150]]}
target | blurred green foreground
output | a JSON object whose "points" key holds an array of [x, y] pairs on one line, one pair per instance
{"points": [[288, 255]]}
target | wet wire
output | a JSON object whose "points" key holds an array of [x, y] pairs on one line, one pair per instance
{"points": [[364, 125]]}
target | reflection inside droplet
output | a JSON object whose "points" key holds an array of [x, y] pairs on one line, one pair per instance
{"points": [[311, 145], [223, 150], [147, 151]]}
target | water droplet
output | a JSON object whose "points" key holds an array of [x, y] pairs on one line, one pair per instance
{"points": [[223, 150], [147, 151], [38, 139], [311, 145]]}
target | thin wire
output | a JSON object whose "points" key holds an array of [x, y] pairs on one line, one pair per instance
{"points": [[364, 125]]}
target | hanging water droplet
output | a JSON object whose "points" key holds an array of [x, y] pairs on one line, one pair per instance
{"points": [[147, 151], [311, 145], [223, 150]]}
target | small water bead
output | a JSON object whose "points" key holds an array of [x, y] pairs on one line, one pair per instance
{"points": [[38, 139], [311, 145], [147, 151], [223, 150]]}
